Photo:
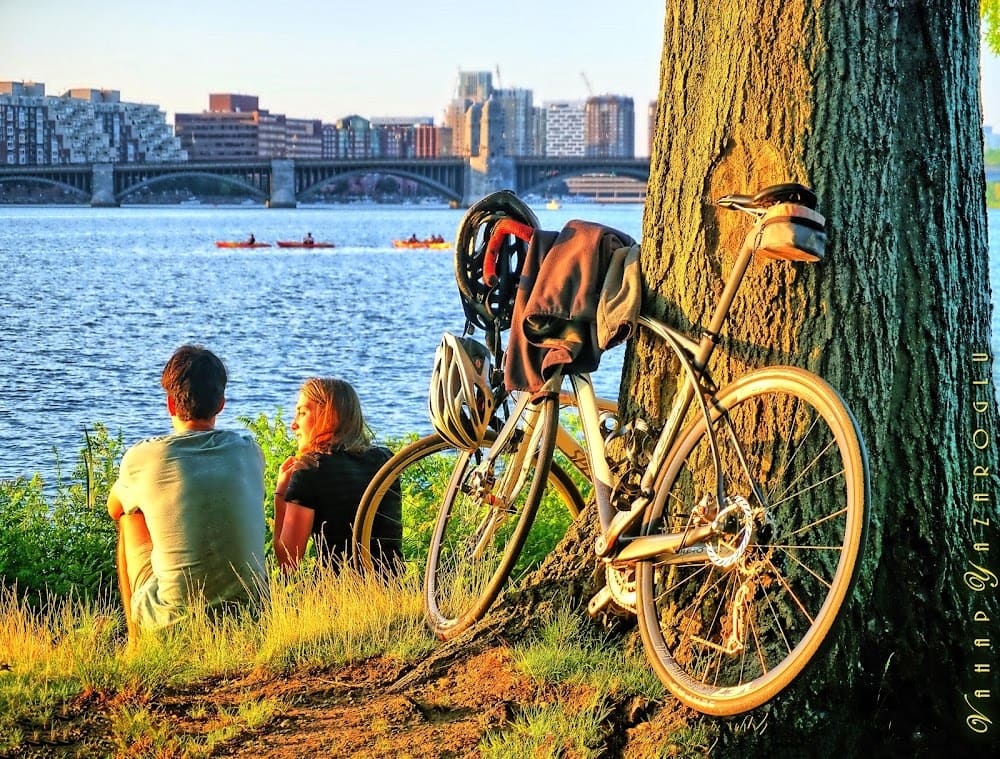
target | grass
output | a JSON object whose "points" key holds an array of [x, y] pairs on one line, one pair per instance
{"points": [[69, 648], [566, 650], [552, 730], [64, 664]]}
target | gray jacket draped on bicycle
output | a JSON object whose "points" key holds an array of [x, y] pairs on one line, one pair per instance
{"points": [[579, 294]]}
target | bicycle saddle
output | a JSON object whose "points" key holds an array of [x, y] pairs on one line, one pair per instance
{"points": [[789, 192]]}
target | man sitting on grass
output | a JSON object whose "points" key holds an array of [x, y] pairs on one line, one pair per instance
{"points": [[189, 505]]}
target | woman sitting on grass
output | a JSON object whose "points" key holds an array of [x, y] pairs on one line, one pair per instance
{"points": [[319, 488]]}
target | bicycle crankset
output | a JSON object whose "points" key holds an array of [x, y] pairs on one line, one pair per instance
{"points": [[619, 593]]}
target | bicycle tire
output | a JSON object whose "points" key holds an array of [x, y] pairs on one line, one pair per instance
{"points": [[802, 551], [420, 472], [485, 518]]}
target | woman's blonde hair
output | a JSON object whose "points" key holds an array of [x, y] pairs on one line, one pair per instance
{"points": [[340, 423]]}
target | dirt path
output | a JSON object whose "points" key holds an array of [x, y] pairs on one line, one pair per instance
{"points": [[361, 710], [356, 712]]}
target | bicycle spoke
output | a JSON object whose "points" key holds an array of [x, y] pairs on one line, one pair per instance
{"points": [[727, 632], [485, 518]]}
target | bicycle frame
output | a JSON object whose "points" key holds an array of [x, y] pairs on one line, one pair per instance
{"points": [[694, 357], [694, 386]]}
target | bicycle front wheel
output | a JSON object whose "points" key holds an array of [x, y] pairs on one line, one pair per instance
{"points": [[397, 513], [729, 623], [485, 518]]}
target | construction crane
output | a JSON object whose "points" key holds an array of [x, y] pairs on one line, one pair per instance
{"points": [[499, 85], [586, 81]]}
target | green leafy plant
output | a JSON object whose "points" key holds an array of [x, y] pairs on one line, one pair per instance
{"points": [[66, 545]]}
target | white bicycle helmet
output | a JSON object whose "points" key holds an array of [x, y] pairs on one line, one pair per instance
{"points": [[461, 398]]}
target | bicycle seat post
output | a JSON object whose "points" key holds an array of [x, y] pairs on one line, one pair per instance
{"points": [[710, 338]]}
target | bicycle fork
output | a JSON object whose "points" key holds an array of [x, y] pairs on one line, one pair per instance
{"points": [[498, 494]]}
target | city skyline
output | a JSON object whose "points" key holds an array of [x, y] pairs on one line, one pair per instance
{"points": [[325, 61]]}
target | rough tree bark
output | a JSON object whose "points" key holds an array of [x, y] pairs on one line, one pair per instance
{"points": [[876, 106]]}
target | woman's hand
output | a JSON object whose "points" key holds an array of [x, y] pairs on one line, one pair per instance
{"points": [[288, 466]]}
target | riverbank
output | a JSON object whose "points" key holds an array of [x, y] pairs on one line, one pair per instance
{"points": [[299, 680]]}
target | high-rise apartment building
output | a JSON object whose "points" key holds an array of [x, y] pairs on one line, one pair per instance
{"points": [[609, 127], [491, 129], [355, 138], [476, 86], [396, 136], [564, 120], [518, 116], [427, 140], [463, 115], [80, 126], [303, 138]]}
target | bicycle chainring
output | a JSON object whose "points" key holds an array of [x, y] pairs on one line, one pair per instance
{"points": [[621, 583]]}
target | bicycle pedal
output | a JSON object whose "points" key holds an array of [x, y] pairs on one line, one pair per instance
{"points": [[600, 601]]}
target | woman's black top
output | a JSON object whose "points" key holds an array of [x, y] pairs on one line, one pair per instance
{"points": [[333, 489]]}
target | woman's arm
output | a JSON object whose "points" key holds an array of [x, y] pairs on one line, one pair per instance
{"points": [[290, 541], [288, 466]]}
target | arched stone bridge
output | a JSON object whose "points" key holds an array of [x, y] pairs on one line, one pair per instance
{"points": [[282, 182]]}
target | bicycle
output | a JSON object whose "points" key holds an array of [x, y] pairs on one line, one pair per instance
{"points": [[735, 534]]}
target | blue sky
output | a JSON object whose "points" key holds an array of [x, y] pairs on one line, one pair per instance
{"points": [[329, 58]]}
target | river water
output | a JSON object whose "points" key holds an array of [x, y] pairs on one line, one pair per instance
{"points": [[93, 302]]}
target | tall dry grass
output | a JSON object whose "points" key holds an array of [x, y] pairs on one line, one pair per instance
{"points": [[54, 653]]}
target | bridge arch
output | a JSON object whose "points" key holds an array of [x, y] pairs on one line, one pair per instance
{"points": [[82, 192], [322, 178], [227, 179]]}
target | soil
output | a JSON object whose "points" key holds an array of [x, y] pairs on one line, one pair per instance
{"points": [[362, 710]]}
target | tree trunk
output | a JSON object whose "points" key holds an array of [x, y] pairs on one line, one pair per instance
{"points": [[875, 106]]}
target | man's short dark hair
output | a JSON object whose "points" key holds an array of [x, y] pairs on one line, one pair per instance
{"points": [[196, 379]]}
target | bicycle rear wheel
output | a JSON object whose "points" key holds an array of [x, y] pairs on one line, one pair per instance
{"points": [[419, 474], [485, 518], [729, 623]]}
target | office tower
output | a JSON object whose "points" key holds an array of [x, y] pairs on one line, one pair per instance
{"points": [[236, 128], [518, 120], [476, 86]]}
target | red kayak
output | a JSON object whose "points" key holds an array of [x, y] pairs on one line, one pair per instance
{"points": [[300, 244], [239, 244]]}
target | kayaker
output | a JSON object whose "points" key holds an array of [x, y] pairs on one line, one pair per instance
{"points": [[318, 490], [413, 238], [251, 239], [308, 239]]}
